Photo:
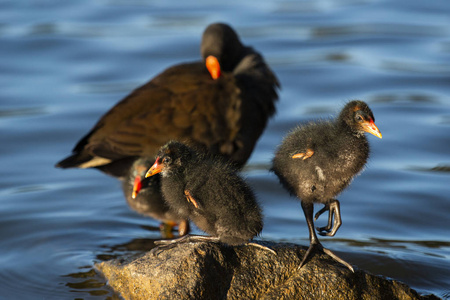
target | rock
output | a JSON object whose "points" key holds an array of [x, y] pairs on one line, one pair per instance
{"points": [[216, 271]]}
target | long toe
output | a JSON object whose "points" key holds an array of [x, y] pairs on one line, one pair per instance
{"points": [[158, 249], [155, 251], [338, 259], [168, 244], [173, 241], [163, 242], [189, 239], [261, 247]]}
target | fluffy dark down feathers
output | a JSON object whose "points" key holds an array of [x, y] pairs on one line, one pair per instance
{"points": [[226, 205], [340, 153]]}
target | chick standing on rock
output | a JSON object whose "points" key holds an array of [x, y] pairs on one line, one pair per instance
{"points": [[210, 193], [144, 196], [317, 161]]}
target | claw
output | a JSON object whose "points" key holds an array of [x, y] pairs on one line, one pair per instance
{"points": [[158, 249], [314, 244]]}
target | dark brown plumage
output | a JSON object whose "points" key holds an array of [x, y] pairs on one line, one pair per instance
{"points": [[144, 196], [209, 192], [317, 161], [225, 115]]}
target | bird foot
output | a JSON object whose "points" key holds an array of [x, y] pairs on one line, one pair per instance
{"points": [[169, 244], [318, 247]]}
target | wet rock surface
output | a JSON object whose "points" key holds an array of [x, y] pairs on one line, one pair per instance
{"points": [[216, 271]]}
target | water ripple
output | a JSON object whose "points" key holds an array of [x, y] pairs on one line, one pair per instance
{"points": [[378, 29], [21, 112]]}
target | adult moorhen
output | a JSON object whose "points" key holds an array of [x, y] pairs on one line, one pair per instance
{"points": [[144, 196], [317, 161], [210, 193], [220, 104]]}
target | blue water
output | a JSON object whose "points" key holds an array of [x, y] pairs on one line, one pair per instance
{"points": [[64, 63]]}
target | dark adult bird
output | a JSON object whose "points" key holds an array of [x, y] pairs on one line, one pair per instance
{"points": [[220, 104], [317, 161], [210, 193], [144, 196]]}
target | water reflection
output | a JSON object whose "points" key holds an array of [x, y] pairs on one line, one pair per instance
{"points": [[307, 7], [416, 67], [91, 283], [106, 88], [393, 244], [22, 112], [135, 245], [367, 30], [43, 29], [439, 168], [88, 280], [404, 97]]}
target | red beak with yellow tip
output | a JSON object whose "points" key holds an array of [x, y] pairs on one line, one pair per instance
{"points": [[136, 187], [370, 127], [213, 66], [155, 169]]}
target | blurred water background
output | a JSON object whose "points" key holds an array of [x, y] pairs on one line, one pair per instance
{"points": [[64, 63]]}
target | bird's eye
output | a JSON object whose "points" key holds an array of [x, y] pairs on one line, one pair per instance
{"points": [[359, 118], [167, 160]]}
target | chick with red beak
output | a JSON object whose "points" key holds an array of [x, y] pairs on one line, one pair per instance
{"points": [[209, 192], [144, 196], [316, 161], [156, 168]]}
